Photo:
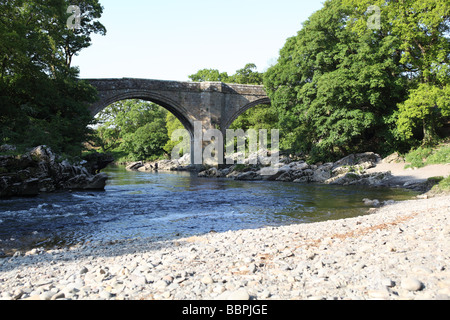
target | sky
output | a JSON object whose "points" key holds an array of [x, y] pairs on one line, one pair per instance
{"points": [[171, 39]]}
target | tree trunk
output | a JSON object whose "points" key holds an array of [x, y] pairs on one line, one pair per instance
{"points": [[429, 131]]}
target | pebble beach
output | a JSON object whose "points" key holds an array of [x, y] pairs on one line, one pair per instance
{"points": [[396, 252]]}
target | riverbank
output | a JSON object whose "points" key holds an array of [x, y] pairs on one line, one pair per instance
{"points": [[366, 169], [40, 170], [399, 251]]}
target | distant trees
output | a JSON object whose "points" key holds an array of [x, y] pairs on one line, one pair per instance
{"points": [[246, 75], [258, 117], [137, 128]]}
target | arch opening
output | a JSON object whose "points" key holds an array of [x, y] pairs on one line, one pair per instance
{"points": [[143, 129], [245, 108], [178, 111]]}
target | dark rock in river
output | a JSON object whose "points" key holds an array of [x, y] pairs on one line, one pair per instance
{"points": [[94, 162], [41, 170]]}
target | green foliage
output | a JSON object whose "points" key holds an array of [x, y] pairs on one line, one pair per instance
{"points": [[417, 158], [335, 91], [137, 128], [246, 75], [147, 141], [423, 47], [443, 186], [441, 156], [41, 99], [426, 108], [424, 156], [172, 124], [210, 75]]}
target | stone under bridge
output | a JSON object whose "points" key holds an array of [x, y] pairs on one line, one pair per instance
{"points": [[215, 104]]}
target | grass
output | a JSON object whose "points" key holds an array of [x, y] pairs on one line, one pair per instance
{"points": [[424, 156], [443, 186]]}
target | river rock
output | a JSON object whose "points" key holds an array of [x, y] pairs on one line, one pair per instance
{"points": [[134, 165], [7, 148], [238, 295], [394, 158], [95, 162], [344, 179], [207, 279], [411, 284], [322, 173], [181, 164], [367, 159], [210, 173], [41, 170], [250, 175]]}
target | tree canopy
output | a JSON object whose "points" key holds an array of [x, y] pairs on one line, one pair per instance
{"points": [[338, 85], [138, 128], [42, 100], [422, 30]]}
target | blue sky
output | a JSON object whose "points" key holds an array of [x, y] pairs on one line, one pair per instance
{"points": [[172, 39]]}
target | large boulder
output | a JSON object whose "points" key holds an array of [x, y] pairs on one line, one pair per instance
{"points": [[95, 162], [249, 175], [375, 179], [394, 158], [134, 165], [365, 160], [41, 171], [322, 173], [209, 173], [84, 182]]}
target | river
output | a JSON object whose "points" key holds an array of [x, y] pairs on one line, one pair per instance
{"points": [[162, 206]]}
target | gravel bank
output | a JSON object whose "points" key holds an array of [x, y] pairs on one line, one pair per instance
{"points": [[401, 251]]}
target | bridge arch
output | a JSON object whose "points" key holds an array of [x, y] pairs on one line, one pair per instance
{"points": [[165, 102], [241, 110], [210, 103]]}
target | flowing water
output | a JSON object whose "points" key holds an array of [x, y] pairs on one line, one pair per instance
{"points": [[170, 205]]}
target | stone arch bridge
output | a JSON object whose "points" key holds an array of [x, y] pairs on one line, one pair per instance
{"points": [[215, 104]]}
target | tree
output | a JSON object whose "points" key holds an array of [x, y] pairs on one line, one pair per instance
{"points": [[247, 75], [73, 41], [172, 124], [422, 29], [135, 127], [424, 107], [335, 91], [146, 142], [205, 75], [42, 100]]}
